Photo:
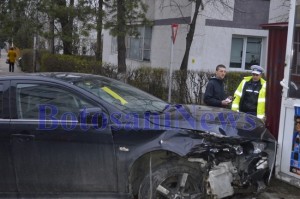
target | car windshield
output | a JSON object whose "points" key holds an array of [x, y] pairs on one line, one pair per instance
{"points": [[124, 96]]}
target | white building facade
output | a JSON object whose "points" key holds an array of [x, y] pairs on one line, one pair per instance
{"points": [[231, 35]]}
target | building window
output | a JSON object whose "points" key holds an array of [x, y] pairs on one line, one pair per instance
{"points": [[295, 69], [137, 47], [84, 50], [31, 96], [114, 45], [294, 81], [245, 52]]}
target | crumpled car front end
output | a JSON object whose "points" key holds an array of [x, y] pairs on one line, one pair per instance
{"points": [[234, 165], [235, 150], [237, 155]]}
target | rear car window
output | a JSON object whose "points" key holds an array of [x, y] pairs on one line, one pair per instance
{"points": [[30, 96]]}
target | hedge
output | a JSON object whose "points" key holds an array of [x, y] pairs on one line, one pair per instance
{"points": [[187, 86]]}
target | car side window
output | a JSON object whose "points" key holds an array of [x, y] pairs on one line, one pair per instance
{"points": [[1, 100], [32, 99]]}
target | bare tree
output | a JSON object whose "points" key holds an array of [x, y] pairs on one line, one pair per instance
{"points": [[99, 20], [121, 23], [219, 6], [283, 5], [200, 5], [190, 35]]}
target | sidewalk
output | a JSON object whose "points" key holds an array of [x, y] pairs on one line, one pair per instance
{"points": [[4, 68], [279, 189]]}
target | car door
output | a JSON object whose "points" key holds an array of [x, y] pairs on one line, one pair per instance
{"points": [[7, 179], [53, 152]]}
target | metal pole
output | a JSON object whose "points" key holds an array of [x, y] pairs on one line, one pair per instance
{"points": [[170, 72], [34, 52], [35, 40]]}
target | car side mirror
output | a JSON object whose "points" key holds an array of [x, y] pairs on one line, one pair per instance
{"points": [[92, 116]]}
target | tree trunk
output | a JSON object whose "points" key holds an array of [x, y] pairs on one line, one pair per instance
{"points": [[184, 63], [99, 32], [190, 35], [51, 40], [66, 22], [121, 23], [67, 38]]}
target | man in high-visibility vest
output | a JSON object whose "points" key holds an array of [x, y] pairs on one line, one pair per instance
{"points": [[250, 96]]}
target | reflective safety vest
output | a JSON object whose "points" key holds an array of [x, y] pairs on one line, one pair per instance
{"points": [[261, 101]]}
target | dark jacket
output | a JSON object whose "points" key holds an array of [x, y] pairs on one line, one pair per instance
{"points": [[214, 93], [249, 99]]}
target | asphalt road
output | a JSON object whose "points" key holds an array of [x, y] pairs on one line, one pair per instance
{"points": [[277, 189], [280, 190]]}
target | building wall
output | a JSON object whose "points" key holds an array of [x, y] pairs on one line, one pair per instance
{"points": [[162, 44], [216, 25], [107, 56], [213, 47], [163, 15], [213, 38], [279, 11], [168, 9]]}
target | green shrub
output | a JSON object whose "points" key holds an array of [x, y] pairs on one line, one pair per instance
{"points": [[232, 81], [151, 80], [109, 70], [187, 86], [26, 63], [69, 63], [157, 86]]}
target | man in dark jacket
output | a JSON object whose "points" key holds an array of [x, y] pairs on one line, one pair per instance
{"points": [[214, 93]]}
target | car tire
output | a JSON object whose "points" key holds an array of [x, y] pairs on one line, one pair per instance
{"points": [[166, 182]]}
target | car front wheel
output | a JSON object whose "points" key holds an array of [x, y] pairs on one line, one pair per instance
{"points": [[172, 181]]}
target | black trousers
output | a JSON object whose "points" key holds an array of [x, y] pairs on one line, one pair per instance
{"points": [[11, 66]]}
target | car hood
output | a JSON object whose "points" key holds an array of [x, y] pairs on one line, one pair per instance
{"points": [[217, 121]]}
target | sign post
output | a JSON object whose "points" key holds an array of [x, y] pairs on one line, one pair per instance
{"points": [[174, 28]]}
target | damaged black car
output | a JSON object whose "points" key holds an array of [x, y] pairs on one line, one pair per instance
{"points": [[83, 135]]}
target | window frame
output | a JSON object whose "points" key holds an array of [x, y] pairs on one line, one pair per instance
{"points": [[128, 42], [244, 51], [5, 100], [73, 91], [60, 101], [296, 57]]}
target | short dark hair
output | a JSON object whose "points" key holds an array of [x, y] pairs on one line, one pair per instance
{"points": [[220, 66]]}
